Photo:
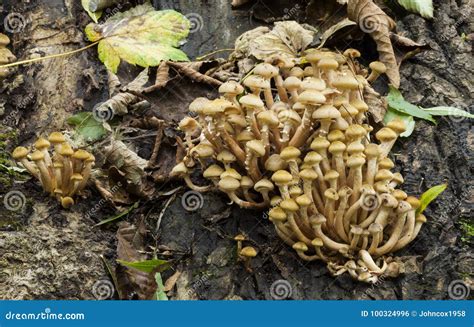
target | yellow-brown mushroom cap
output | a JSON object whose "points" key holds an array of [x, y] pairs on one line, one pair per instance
{"points": [[282, 177], [42, 143], [248, 252], [56, 138], [300, 246], [37, 156], [20, 153], [213, 171], [289, 205], [229, 184], [277, 214]]}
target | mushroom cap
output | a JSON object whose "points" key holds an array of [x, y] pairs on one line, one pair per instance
{"points": [[263, 185], [292, 83], [251, 101], [297, 72], [331, 194], [399, 195], [246, 182], [303, 200], [4, 40], [203, 150], [355, 131], [289, 116], [225, 156], [179, 170], [300, 246], [348, 110], [256, 82], [279, 106], [76, 177], [414, 202], [91, 158], [331, 175], [37, 156], [372, 150], [42, 143], [231, 87], [375, 228], [290, 153], [198, 104], [421, 218], [275, 200], [345, 82], [313, 84], [228, 184], [388, 200], [386, 134], [336, 135], [245, 136], [275, 162], [308, 71], [213, 171], [340, 124], [378, 66], [268, 117], [216, 106], [313, 158], [277, 214], [58, 191], [320, 143], [398, 178], [66, 150], [360, 105], [352, 53], [67, 202], [328, 63], [317, 219], [311, 97], [356, 230], [248, 252], [295, 191], [282, 177], [383, 175], [339, 101], [337, 147], [298, 107], [308, 174], [325, 112], [403, 207], [289, 205], [344, 191], [266, 70], [397, 125], [237, 120], [56, 138], [355, 147], [256, 147], [188, 124], [355, 161], [386, 163], [240, 237], [231, 172], [20, 153], [81, 155], [317, 242], [382, 187]]}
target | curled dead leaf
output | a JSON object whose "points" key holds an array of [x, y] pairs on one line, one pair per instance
{"points": [[377, 104]]}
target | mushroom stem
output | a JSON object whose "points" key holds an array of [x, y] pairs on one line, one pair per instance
{"points": [[371, 265], [195, 187]]}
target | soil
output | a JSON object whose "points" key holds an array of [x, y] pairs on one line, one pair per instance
{"points": [[49, 253]]}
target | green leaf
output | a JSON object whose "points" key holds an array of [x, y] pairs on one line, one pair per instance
{"points": [[147, 266], [143, 37], [397, 102], [160, 288], [422, 7], [120, 215], [407, 119], [94, 15], [448, 111], [429, 196], [87, 126]]}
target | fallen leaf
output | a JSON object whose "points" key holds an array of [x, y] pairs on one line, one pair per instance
{"points": [[422, 7], [6, 56], [431, 194], [333, 29], [87, 126], [242, 43], [126, 160], [373, 21], [147, 266], [120, 215], [397, 102], [160, 294], [286, 39], [141, 36], [407, 119], [448, 111], [377, 104], [406, 48], [171, 282], [95, 16]]}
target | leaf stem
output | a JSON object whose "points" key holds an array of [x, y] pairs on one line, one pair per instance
{"points": [[213, 53], [18, 63]]}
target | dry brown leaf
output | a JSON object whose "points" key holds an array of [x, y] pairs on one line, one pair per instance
{"points": [[171, 282], [238, 3], [287, 39], [243, 41], [377, 104], [406, 48], [373, 21], [119, 155], [333, 29]]}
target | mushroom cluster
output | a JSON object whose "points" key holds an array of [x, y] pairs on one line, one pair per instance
{"points": [[6, 56], [63, 173], [293, 138]]}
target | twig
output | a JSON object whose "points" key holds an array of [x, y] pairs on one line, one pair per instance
{"points": [[194, 75]]}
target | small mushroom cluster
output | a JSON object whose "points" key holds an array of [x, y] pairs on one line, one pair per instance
{"points": [[6, 56], [293, 137], [64, 173]]}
